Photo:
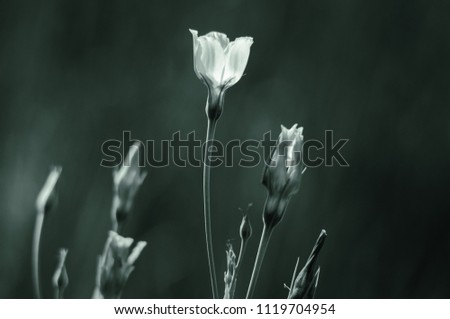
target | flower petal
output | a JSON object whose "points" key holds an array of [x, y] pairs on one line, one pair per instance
{"points": [[237, 54], [120, 246], [136, 252], [221, 37], [210, 59], [129, 168], [195, 48]]}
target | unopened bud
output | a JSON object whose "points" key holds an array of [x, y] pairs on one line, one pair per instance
{"points": [[60, 278], [47, 198], [282, 175], [245, 230], [127, 181], [305, 283]]}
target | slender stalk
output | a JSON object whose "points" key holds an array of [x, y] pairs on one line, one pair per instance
{"points": [[238, 266], [58, 293], [97, 294], [241, 256], [115, 223], [35, 252], [265, 237], [207, 208]]}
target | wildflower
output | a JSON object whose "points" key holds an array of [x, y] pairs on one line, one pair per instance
{"points": [[47, 199], [127, 181], [116, 264], [60, 278], [219, 64], [282, 175]]}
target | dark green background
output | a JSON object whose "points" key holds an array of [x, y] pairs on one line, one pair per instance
{"points": [[75, 73]]}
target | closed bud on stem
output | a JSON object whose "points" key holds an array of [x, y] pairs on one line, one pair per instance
{"points": [[60, 278], [245, 231], [304, 285], [116, 264], [45, 202], [282, 174], [126, 183], [47, 198]]}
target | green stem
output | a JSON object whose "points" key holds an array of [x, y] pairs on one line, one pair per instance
{"points": [[117, 223], [242, 250], [241, 255], [265, 237], [97, 294], [35, 252], [58, 293], [207, 208]]}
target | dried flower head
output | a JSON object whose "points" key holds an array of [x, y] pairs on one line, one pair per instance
{"points": [[230, 274]]}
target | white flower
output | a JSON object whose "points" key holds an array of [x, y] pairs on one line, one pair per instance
{"points": [[47, 198], [120, 249], [116, 264], [127, 181], [282, 175], [218, 62]]}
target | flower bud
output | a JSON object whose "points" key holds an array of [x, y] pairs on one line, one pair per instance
{"points": [[282, 174], [245, 230], [127, 181], [305, 283], [47, 198], [60, 278]]}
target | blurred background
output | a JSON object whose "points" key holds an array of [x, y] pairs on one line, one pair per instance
{"points": [[76, 73]]}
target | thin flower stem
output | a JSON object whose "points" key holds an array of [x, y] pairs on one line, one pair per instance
{"points": [[207, 208], [241, 256], [58, 294], [97, 294], [265, 237], [242, 250], [35, 252], [116, 226]]}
